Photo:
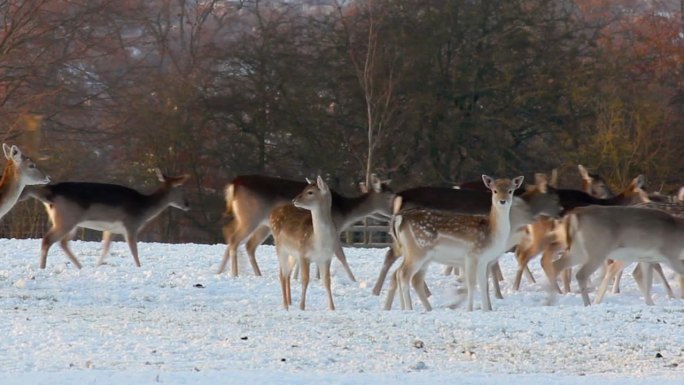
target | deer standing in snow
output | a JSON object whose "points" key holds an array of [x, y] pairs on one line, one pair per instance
{"points": [[20, 171], [251, 198], [423, 236], [304, 232]]}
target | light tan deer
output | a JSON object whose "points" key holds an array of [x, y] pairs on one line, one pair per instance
{"points": [[109, 208], [20, 171], [473, 241], [569, 200], [595, 185], [630, 234], [304, 232], [251, 198]]}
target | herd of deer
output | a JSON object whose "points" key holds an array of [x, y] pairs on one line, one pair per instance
{"points": [[468, 228]]}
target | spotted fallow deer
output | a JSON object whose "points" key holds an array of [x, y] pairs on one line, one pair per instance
{"points": [[304, 232], [110, 208], [632, 234], [20, 171], [472, 241], [532, 203], [251, 198]]}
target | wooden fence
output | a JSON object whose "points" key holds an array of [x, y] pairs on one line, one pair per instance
{"points": [[367, 233]]}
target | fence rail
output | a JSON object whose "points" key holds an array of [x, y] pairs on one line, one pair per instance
{"points": [[367, 233]]}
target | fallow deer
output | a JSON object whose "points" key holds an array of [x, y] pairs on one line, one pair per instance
{"points": [[20, 171], [528, 206], [251, 198], [571, 199], [596, 186], [109, 208], [632, 234], [473, 241], [304, 232]]}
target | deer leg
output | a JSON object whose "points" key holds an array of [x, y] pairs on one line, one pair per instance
{"points": [[64, 244], [658, 269], [235, 239], [339, 253], [256, 239], [283, 288], [391, 291], [106, 242], [470, 278], [550, 268], [327, 283], [584, 274], [618, 278], [404, 276], [529, 275], [304, 267], [132, 241], [483, 281], [53, 235], [419, 286], [390, 258], [643, 275], [611, 271], [496, 273]]}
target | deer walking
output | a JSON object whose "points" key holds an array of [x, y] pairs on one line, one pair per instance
{"points": [[109, 208], [304, 232], [629, 234]]}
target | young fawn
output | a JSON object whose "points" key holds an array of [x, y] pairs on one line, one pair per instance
{"points": [[304, 232]]}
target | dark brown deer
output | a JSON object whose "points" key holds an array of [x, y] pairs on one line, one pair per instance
{"points": [[109, 208]]}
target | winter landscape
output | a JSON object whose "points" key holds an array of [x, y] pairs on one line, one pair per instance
{"points": [[175, 321]]}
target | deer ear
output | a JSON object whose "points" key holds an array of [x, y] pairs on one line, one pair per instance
{"points": [[488, 181], [15, 154], [321, 185], [583, 172], [6, 150], [639, 181], [517, 182]]}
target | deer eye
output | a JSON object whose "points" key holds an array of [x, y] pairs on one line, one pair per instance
{"points": [[32, 166], [510, 191], [310, 192], [496, 192]]}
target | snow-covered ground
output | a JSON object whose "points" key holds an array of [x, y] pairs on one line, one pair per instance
{"points": [[174, 321]]}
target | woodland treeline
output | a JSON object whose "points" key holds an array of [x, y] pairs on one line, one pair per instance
{"points": [[420, 91]]}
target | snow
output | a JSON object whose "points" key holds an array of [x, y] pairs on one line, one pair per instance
{"points": [[175, 321]]}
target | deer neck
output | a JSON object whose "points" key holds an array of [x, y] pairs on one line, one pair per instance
{"points": [[323, 226], [155, 203], [346, 211], [499, 223], [10, 188]]}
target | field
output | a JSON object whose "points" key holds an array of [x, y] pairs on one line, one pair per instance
{"points": [[174, 321]]}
